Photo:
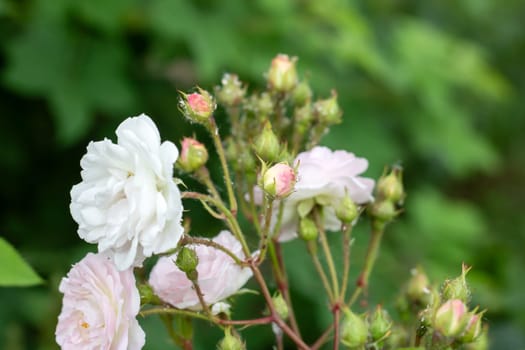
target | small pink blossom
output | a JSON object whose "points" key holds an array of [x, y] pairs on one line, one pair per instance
{"points": [[279, 180], [325, 177], [99, 307], [218, 275]]}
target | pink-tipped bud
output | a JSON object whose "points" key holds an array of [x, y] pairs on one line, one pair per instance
{"points": [[279, 180], [193, 155], [474, 328], [198, 106], [282, 76], [451, 318]]}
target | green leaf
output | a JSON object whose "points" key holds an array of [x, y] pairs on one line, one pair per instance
{"points": [[14, 271]]}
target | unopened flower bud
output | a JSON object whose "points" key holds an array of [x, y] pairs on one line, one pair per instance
{"points": [[147, 296], [280, 306], [418, 290], [346, 210], [198, 106], [328, 110], [383, 211], [231, 92], [187, 261], [282, 76], [451, 318], [303, 117], [279, 180], [193, 155], [302, 93], [380, 323], [354, 330], [307, 229], [481, 343], [474, 328], [230, 342], [267, 145], [457, 288], [390, 187]]}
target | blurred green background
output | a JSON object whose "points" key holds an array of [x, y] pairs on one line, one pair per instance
{"points": [[437, 85]]}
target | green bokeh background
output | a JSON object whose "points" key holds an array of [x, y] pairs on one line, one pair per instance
{"points": [[436, 85]]}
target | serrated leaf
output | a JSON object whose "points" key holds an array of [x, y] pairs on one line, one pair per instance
{"points": [[14, 271]]}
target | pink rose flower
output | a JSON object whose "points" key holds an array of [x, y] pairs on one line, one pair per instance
{"points": [[325, 176], [99, 307], [219, 275]]}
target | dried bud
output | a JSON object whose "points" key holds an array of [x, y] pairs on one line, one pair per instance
{"points": [[193, 155], [280, 306], [418, 290], [307, 229], [267, 145], [380, 323], [230, 342], [346, 210], [457, 288], [231, 92], [282, 76], [279, 180], [354, 330], [474, 328], [451, 318], [198, 106], [390, 187], [328, 111], [187, 261], [302, 93]]}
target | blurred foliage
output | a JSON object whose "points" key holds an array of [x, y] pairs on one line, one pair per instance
{"points": [[437, 85]]}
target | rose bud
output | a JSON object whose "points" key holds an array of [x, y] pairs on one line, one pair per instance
{"points": [[198, 106], [282, 76], [279, 180]]}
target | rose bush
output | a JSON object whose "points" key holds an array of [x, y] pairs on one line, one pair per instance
{"points": [[127, 201]]}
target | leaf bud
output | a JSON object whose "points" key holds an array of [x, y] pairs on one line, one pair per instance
{"points": [[267, 145], [307, 229], [230, 341], [282, 75], [187, 261], [279, 180], [328, 111], [198, 106], [457, 288], [280, 306], [451, 318], [346, 210], [380, 323], [231, 92], [193, 155], [354, 330]]}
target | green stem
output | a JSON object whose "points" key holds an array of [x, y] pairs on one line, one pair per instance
{"points": [[198, 291], [347, 236], [370, 259], [264, 238], [230, 219], [214, 131], [203, 175], [161, 310], [280, 323], [208, 242], [328, 254], [312, 249]]}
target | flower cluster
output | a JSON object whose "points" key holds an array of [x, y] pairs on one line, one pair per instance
{"points": [[278, 184]]}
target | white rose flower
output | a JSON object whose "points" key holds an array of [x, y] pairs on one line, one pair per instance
{"points": [[127, 201], [218, 275], [325, 176], [99, 307]]}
